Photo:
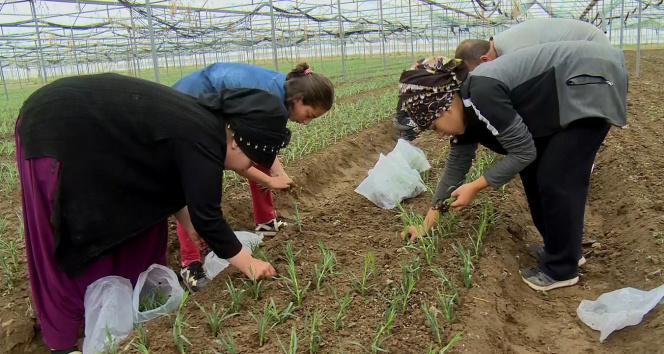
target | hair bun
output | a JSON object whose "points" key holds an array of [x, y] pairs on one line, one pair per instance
{"points": [[300, 70]]}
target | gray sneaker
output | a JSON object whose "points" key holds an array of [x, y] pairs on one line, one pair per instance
{"points": [[194, 276], [537, 280], [537, 251]]}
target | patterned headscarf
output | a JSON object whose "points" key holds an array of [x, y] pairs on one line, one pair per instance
{"points": [[428, 87]]}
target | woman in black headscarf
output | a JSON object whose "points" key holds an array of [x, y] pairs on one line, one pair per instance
{"points": [[104, 160]]}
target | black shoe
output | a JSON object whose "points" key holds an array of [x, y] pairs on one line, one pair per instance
{"points": [[537, 280], [194, 276]]}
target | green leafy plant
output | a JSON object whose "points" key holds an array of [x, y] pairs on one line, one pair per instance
{"points": [[227, 342], [280, 317], [262, 323], [361, 284], [327, 265], [292, 347], [343, 306], [154, 299], [467, 264], [297, 291], [431, 315], [214, 318], [236, 295], [180, 340], [313, 329], [254, 285]]}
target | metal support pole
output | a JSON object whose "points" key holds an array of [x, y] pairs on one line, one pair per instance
{"points": [[4, 82], [274, 38], [320, 44], [137, 63], [42, 69], [433, 51], [412, 35], [153, 49], [343, 41], [382, 34], [638, 43], [622, 22], [610, 21], [251, 33]]}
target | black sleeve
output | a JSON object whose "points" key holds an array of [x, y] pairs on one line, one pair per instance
{"points": [[201, 175]]}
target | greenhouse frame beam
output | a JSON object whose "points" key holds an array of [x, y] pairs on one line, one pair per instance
{"points": [[588, 8], [433, 3]]}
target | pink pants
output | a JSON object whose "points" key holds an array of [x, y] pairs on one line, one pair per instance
{"points": [[261, 199]]}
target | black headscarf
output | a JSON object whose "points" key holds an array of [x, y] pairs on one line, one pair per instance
{"points": [[256, 117], [428, 87]]}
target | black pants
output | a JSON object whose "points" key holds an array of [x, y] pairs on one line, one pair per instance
{"points": [[556, 186]]}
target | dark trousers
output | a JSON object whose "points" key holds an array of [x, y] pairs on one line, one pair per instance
{"points": [[556, 185]]}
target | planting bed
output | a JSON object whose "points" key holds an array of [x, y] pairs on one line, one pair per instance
{"points": [[497, 313]]}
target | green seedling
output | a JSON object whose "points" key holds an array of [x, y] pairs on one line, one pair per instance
{"points": [[154, 299], [112, 345], [343, 306], [327, 266], [227, 342], [142, 336], [280, 317], [254, 286], [214, 318], [447, 285], [361, 285], [298, 218], [314, 333], [180, 340], [236, 295], [456, 338], [262, 323], [292, 347], [431, 315], [408, 279], [467, 264], [296, 290]]}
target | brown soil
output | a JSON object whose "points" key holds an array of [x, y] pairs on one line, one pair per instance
{"points": [[499, 313]]}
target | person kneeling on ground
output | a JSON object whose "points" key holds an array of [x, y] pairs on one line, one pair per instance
{"points": [[306, 95], [547, 108], [105, 159]]}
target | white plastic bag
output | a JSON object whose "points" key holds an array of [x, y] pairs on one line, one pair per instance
{"points": [[155, 279], [390, 182], [106, 308], [618, 309], [413, 155], [214, 265]]}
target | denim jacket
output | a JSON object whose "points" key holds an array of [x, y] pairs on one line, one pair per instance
{"points": [[216, 77]]}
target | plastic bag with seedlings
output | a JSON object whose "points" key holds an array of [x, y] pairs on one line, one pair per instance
{"points": [[214, 265], [391, 181], [106, 313], [618, 309], [413, 155], [157, 293]]}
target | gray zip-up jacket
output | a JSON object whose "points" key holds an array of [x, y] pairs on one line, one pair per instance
{"points": [[530, 93]]}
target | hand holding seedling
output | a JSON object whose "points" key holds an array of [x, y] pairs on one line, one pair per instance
{"points": [[413, 232], [466, 193], [251, 267], [281, 181]]}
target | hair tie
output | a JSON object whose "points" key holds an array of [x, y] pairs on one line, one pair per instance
{"points": [[308, 71]]}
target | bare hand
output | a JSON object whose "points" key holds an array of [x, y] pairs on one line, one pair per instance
{"points": [[200, 243], [280, 182], [421, 230], [465, 195], [251, 267], [259, 269]]}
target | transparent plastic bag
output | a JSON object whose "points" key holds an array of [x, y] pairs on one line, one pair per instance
{"points": [[618, 309], [160, 284], [391, 181], [413, 155], [106, 309], [214, 265]]}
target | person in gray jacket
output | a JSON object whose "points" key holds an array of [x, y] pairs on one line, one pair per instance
{"points": [[526, 34], [547, 108]]}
